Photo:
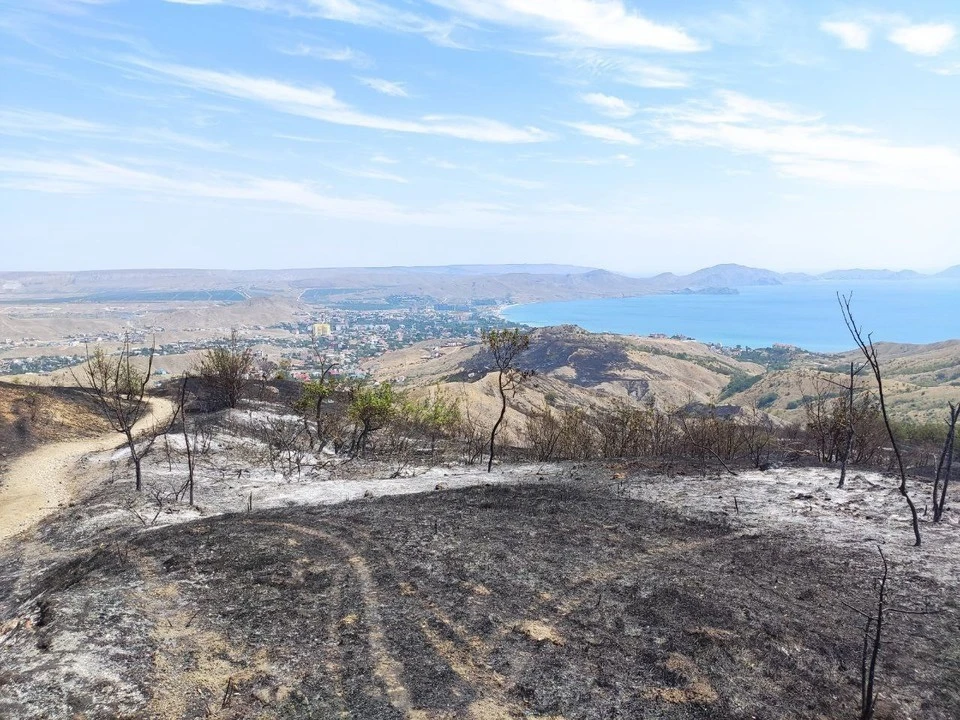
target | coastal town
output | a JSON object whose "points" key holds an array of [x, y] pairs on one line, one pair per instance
{"points": [[289, 346]]}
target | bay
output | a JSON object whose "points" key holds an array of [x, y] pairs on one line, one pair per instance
{"points": [[804, 314]]}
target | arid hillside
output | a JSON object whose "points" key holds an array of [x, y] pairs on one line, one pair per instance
{"points": [[32, 415], [919, 381], [571, 368]]}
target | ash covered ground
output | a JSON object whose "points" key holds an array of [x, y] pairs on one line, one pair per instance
{"points": [[584, 590]]}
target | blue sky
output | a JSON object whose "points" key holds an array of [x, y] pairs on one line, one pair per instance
{"points": [[635, 135]]}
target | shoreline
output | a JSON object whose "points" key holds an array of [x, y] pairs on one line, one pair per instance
{"points": [[763, 318]]}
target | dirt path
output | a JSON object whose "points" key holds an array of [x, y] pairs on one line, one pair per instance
{"points": [[44, 480]]}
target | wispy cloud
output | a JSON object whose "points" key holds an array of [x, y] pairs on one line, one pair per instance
{"points": [[66, 7], [585, 23], [441, 164], [373, 174], [625, 69], [19, 122], [801, 145], [925, 39], [320, 103], [333, 54], [384, 160], [607, 133], [610, 105], [948, 69], [386, 87], [355, 12], [521, 183], [852, 35], [618, 159], [84, 175]]}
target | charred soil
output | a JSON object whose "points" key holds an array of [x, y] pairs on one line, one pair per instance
{"points": [[552, 599]]}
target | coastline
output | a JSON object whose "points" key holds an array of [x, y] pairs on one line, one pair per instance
{"points": [[801, 315]]}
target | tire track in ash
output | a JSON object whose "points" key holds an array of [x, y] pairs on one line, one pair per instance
{"points": [[465, 653], [387, 669]]}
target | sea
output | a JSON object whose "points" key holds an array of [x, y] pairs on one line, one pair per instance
{"points": [[806, 315]]}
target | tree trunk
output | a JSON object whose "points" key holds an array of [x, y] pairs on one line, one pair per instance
{"points": [[496, 425], [850, 431], [946, 457], [136, 458]]}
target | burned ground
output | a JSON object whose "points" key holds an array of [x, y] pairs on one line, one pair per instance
{"points": [[550, 599]]}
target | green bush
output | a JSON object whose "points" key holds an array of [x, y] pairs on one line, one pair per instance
{"points": [[739, 383], [767, 400]]}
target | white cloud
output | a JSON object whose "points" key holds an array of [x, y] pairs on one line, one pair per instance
{"points": [[90, 175], [948, 70], [384, 160], [610, 105], [918, 38], [319, 52], [586, 23], [441, 163], [320, 103], [652, 76], [19, 122], [356, 12], [924, 39], [852, 35], [521, 183], [373, 174], [624, 69], [386, 87], [801, 145], [607, 133]]}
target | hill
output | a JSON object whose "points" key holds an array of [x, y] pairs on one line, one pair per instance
{"points": [[575, 368], [919, 381], [572, 369]]}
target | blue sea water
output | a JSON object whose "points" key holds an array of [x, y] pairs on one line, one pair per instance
{"points": [[806, 315]]}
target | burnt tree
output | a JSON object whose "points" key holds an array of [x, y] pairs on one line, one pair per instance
{"points": [[120, 389], [870, 354], [506, 347]]}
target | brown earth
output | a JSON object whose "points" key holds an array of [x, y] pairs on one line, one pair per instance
{"points": [[39, 482], [31, 415]]}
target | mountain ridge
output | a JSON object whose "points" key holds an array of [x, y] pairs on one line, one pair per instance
{"points": [[493, 284]]}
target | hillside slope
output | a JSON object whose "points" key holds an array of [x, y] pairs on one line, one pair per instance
{"points": [[918, 380], [572, 368]]}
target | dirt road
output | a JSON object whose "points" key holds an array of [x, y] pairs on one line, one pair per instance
{"points": [[44, 480]]}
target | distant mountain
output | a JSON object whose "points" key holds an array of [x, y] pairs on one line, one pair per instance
{"points": [[533, 269], [858, 274], [730, 275], [950, 272], [491, 284]]}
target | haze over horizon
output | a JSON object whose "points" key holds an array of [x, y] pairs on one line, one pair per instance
{"points": [[631, 135], [481, 268]]}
